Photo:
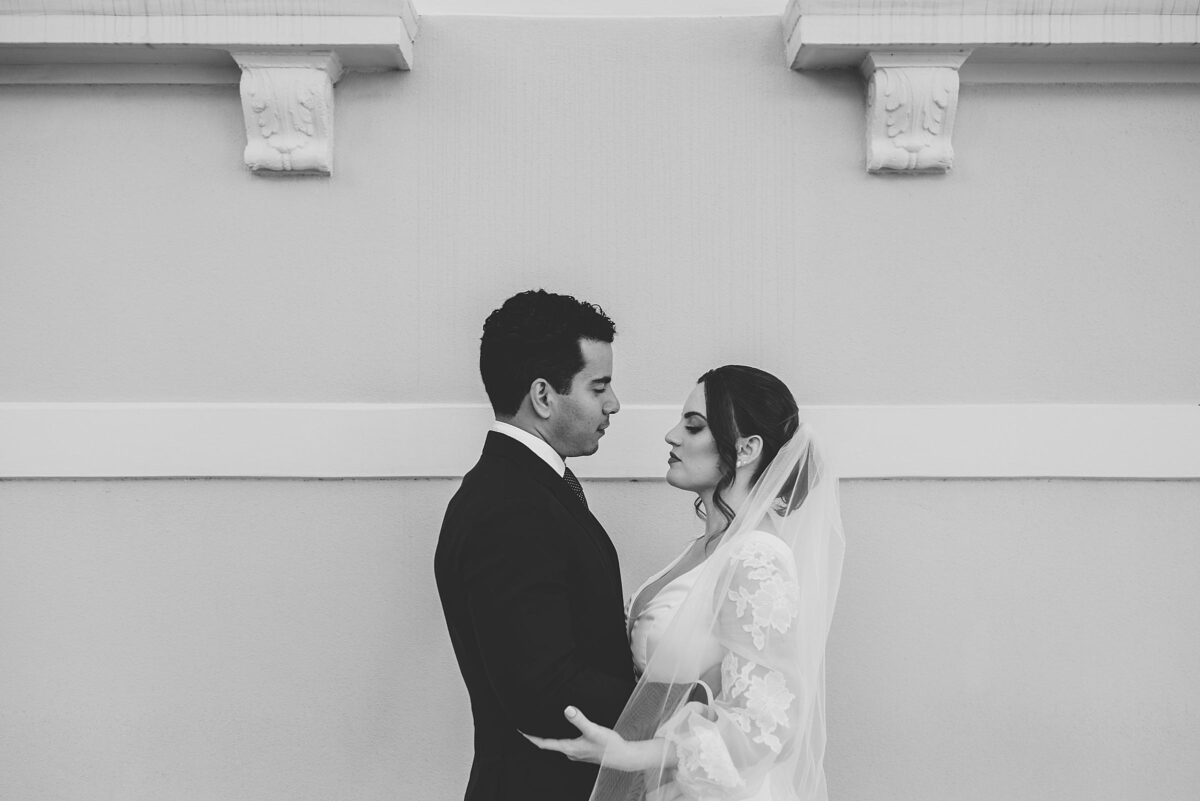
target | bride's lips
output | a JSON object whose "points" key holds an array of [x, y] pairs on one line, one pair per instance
{"points": [[672, 458]]}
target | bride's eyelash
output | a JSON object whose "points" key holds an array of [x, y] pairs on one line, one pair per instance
{"points": [[694, 429]]}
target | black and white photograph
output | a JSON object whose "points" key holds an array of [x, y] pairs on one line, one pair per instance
{"points": [[600, 400]]}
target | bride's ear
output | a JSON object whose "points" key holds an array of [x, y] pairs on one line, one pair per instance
{"points": [[748, 449], [539, 397]]}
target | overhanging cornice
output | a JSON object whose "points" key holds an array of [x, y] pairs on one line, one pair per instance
{"points": [[184, 41], [915, 53], [286, 65], [823, 34]]}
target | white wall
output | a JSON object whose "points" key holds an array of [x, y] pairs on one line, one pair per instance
{"points": [[281, 640], [712, 200]]}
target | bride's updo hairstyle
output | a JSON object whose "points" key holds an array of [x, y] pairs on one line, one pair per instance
{"points": [[743, 401]]}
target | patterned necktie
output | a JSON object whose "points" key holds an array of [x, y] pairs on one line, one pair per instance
{"points": [[573, 483]]}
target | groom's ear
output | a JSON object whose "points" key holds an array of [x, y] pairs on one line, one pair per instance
{"points": [[539, 397]]}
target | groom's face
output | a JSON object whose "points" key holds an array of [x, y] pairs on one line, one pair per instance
{"points": [[581, 415]]}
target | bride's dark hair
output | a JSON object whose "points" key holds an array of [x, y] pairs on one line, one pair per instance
{"points": [[743, 401]]}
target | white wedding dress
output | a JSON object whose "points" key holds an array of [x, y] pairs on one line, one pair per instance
{"points": [[748, 707], [731, 653]]}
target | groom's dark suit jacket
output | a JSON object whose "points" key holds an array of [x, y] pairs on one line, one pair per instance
{"points": [[531, 590]]}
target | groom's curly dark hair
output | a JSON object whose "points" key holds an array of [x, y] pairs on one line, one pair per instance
{"points": [[535, 334]]}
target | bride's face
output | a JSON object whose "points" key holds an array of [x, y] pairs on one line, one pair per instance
{"points": [[693, 462]]}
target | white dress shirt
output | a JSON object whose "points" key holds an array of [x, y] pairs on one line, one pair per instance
{"points": [[535, 443]]}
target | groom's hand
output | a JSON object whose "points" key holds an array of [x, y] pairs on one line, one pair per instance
{"points": [[599, 745], [589, 747]]}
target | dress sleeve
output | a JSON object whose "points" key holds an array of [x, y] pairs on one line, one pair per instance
{"points": [[724, 749]]}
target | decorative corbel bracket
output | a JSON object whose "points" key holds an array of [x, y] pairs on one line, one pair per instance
{"points": [[913, 52], [287, 101], [290, 55], [911, 102]]}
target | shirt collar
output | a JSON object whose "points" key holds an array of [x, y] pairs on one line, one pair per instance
{"points": [[535, 443]]}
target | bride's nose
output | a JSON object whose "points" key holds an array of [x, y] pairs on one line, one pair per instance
{"points": [[671, 437]]}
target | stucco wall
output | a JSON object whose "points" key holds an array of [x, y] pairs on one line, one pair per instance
{"points": [[281, 640], [674, 170]]}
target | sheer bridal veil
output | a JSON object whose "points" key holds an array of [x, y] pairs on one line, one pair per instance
{"points": [[749, 640]]}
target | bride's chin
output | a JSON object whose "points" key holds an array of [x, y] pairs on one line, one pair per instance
{"points": [[676, 483]]}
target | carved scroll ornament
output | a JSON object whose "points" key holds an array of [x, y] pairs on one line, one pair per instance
{"points": [[287, 101], [911, 103]]}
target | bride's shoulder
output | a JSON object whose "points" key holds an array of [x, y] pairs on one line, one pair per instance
{"points": [[758, 545]]}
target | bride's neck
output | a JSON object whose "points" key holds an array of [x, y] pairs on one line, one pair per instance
{"points": [[714, 518]]}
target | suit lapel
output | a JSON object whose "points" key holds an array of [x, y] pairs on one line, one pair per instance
{"points": [[500, 445], [591, 525]]}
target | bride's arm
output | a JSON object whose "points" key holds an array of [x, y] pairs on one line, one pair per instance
{"points": [[724, 749]]}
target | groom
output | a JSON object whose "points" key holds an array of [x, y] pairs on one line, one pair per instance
{"points": [[528, 579]]}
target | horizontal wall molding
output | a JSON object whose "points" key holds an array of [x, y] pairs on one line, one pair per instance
{"points": [[981, 71], [303, 440], [224, 73]]}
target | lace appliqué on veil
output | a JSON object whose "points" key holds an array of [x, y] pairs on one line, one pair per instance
{"points": [[774, 603]]}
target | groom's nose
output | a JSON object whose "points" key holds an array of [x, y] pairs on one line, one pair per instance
{"points": [[614, 403]]}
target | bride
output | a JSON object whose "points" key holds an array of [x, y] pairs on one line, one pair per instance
{"points": [[729, 639]]}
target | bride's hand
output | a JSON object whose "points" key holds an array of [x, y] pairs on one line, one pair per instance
{"points": [[589, 747], [597, 743]]}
